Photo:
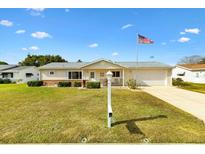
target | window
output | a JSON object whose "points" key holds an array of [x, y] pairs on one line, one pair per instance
{"points": [[116, 74], [74, 75], [51, 73], [197, 75], [102, 74], [28, 75], [181, 74], [7, 75], [92, 75]]}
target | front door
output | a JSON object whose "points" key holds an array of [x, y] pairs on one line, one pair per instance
{"points": [[103, 79]]}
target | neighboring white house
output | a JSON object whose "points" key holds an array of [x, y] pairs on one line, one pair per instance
{"points": [[145, 73], [5, 67], [190, 72], [21, 73]]}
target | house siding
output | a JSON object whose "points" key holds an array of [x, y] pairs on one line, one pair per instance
{"points": [[144, 76], [190, 76]]}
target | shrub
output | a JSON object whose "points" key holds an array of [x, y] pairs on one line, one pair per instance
{"points": [[77, 84], [64, 84], [5, 81], [35, 83], [179, 82], [132, 84], [93, 85], [1, 81]]}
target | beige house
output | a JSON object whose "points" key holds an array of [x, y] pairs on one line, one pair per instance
{"points": [[145, 73]]}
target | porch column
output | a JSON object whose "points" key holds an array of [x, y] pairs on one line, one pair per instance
{"points": [[123, 77], [82, 78], [39, 75]]}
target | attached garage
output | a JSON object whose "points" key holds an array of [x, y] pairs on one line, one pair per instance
{"points": [[151, 77]]}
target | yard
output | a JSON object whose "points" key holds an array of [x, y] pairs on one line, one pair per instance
{"points": [[197, 87], [71, 115]]}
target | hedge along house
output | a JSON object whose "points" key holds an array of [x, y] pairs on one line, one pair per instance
{"points": [[145, 73]]}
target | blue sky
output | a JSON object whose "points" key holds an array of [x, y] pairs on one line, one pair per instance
{"points": [[89, 34]]}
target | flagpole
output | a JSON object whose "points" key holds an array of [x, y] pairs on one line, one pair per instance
{"points": [[137, 51], [137, 55]]}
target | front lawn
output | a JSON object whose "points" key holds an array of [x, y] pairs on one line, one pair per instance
{"points": [[71, 115], [197, 87]]}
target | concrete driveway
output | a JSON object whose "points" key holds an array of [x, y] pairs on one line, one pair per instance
{"points": [[191, 102]]}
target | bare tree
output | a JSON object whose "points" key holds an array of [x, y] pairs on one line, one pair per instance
{"points": [[195, 59]]}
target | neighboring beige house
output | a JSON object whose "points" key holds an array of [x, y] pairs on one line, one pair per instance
{"points": [[190, 72], [21, 74], [145, 73]]}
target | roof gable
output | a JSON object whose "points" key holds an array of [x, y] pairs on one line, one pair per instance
{"points": [[103, 64]]}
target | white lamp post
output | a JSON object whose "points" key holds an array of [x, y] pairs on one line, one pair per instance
{"points": [[109, 77]]}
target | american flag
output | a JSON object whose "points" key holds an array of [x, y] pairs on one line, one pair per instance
{"points": [[144, 40]]}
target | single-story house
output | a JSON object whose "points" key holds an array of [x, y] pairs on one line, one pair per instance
{"points": [[21, 73], [190, 72], [145, 73], [5, 67]]}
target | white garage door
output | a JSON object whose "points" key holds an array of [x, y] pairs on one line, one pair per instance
{"points": [[151, 77]]}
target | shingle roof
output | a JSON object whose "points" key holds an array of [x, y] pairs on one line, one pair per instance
{"points": [[16, 69], [148, 64], [64, 65], [78, 65], [193, 66], [4, 67]]}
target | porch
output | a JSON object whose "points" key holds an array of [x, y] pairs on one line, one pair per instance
{"points": [[100, 75]]}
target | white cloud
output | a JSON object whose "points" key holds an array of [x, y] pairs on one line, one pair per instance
{"points": [[115, 54], [126, 26], [20, 31], [164, 43], [40, 35], [33, 48], [94, 45], [192, 30], [36, 11], [67, 10], [6, 23], [24, 49], [184, 39], [182, 33]]}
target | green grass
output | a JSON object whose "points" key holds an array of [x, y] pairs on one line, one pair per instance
{"points": [[197, 87], [67, 115]]}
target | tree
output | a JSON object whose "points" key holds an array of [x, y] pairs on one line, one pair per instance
{"points": [[3, 63], [195, 59], [202, 61], [40, 60], [79, 61]]}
